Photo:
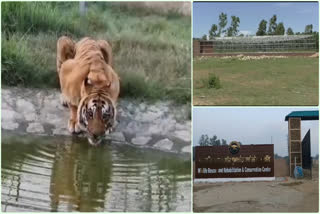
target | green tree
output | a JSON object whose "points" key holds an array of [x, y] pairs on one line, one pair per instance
{"points": [[213, 31], [262, 30], [233, 29], [224, 142], [229, 31], [223, 20], [280, 30], [272, 25], [308, 29], [213, 140], [204, 37], [204, 140], [290, 31]]}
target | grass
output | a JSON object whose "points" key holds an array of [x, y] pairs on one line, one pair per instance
{"points": [[284, 81], [151, 49]]}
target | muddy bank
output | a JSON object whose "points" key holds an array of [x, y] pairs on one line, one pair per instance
{"points": [[162, 125]]}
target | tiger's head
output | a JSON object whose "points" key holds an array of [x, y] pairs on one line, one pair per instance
{"points": [[96, 115]]}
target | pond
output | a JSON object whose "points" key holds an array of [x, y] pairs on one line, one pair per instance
{"points": [[66, 174]]}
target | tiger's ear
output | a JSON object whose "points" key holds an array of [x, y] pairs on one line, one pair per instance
{"points": [[106, 50]]}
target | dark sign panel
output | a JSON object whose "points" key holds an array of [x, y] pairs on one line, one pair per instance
{"points": [[234, 161], [306, 152]]}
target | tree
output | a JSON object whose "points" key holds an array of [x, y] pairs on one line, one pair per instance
{"points": [[224, 142], [204, 140], [276, 156], [233, 29], [308, 29], [272, 25], [241, 35], [204, 37], [213, 140], [229, 31], [290, 31], [223, 20], [262, 30], [280, 29], [213, 31]]}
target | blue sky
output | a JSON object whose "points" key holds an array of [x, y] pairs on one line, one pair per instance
{"points": [[251, 126], [293, 14]]}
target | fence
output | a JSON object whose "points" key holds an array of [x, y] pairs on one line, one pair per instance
{"points": [[255, 44]]}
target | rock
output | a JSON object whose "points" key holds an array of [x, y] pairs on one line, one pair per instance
{"points": [[35, 128], [9, 125], [164, 144], [5, 93], [31, 116], [42, 113], [186, 149], [133, 127], [25, 106], [118, 136], [148, 116], [183, 135], [142, 107], [61, 131], [142, 140], [180, 126], [8, 115]]}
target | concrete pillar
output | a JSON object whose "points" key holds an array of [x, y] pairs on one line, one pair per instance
{"points": [[295, 148]]}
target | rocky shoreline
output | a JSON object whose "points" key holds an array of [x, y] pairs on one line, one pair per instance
{"points": [[163, 126]]}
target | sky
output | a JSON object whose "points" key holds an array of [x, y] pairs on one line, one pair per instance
{"points": [[293, 14], [251, 126]]}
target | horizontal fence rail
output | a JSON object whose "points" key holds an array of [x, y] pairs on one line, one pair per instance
{"points": [[263, 44]]}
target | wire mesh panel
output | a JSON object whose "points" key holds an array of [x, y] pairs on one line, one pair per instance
{"points": [[292, 43]]}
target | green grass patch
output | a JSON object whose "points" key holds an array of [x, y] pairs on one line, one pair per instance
{"points": [[212, 82], [284, 81], [151, 49]]}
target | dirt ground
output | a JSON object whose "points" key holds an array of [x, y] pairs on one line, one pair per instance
{"points": [[288, 195]]}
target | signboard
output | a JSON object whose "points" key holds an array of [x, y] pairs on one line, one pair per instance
{"points": [[234, 161]]}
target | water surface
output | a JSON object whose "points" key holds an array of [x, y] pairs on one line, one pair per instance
{"points": [[66, 174]]}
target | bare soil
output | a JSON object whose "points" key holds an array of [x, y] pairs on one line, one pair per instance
{"points": [[275, 196]]}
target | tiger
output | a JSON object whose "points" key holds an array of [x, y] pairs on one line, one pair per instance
{"points": [[89, 86]]}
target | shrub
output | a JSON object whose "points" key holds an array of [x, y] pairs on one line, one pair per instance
{"points": [[22, 65], [212, 82]]}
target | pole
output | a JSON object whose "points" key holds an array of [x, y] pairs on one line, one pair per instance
{"points": [[82, 8]]}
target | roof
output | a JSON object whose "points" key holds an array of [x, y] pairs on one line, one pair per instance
{"points": [[304, 115]]}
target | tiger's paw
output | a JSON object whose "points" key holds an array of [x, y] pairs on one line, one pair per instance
{"points": [[77, 128], [63, 102], [73, 127]]}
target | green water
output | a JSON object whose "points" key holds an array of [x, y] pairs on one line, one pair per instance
{"points": [[66, 174]]}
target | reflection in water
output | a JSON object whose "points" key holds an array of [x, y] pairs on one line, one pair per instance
{"points": [[56, 174]]}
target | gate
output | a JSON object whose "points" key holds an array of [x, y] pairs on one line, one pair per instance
{"points": [[306, 152]]}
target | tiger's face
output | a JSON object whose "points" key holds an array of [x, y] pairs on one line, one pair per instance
{"points": [[96, 116]]}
